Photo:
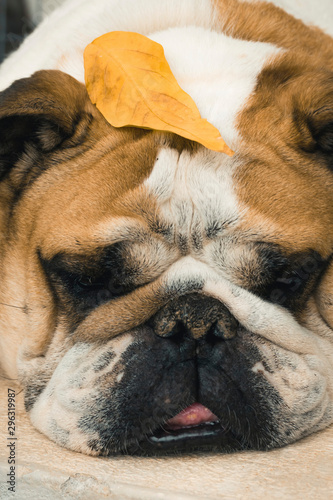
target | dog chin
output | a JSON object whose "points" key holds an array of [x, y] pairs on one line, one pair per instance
{"points": [[140, 394]]}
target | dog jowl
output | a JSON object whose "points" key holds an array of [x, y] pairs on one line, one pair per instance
{"points": [[157, 296]]}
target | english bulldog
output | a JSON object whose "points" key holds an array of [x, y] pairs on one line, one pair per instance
{"points": [[157, 296]]}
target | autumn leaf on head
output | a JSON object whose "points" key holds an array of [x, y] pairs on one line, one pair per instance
{"points": [[131, 83]]}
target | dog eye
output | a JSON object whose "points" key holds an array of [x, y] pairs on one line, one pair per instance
{"points": [[83, 285], [294, 285], [88, 282], [286, 287], [106, 287]]}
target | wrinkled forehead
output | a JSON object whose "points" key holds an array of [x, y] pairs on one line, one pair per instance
{"points": [[164, 185], [160, 184], [180, 193]]}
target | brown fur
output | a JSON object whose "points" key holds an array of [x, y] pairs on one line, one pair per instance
{"points": [[72, 188], [84, 138], [98, 176], [283, 182], [285, 179], [264, 22]]}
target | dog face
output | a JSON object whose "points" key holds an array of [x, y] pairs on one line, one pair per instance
{"points": [[142, 273]]}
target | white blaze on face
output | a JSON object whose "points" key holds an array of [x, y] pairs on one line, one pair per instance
{"points": [[195, 192], [217, 71]]}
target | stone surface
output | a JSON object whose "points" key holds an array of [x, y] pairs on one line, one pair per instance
{"points": [[46, 471]]}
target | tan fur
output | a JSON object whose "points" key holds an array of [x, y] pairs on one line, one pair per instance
{"points": [[278, 178], [75, 207], [288, 192], [287, 187], [275, 193], [264, 22], [78, 186], [36, 215], [284, 216]]}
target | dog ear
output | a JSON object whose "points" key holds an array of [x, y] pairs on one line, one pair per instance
{"points": [[40, 115], [313, 116]]}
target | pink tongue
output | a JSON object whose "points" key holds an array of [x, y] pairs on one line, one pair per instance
{"points": [[194, 414]]}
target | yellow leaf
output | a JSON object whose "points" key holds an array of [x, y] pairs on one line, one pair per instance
{"points": [[131, 83]]}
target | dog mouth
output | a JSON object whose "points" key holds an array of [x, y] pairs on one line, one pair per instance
{"points": [[196, 422], [194, 428], [193, 416]]}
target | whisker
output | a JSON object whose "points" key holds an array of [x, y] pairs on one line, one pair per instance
{"points": [[24, 308]]}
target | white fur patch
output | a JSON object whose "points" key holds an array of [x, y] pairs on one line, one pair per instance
{"points": [[300, 383], [59, 42], [219, 72], [60, 406], [195, 192]]}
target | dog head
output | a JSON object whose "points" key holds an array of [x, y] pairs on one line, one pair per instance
{"points": [[143, 274]]}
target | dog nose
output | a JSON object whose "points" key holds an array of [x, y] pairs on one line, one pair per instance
{"points": [[194, 315]]}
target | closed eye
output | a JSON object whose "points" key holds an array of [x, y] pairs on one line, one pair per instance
{"points": [[107, 284], [89, 283], [84, 282], [292, 286]]}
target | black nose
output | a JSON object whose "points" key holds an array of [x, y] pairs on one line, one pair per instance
{"points": [[194, 315]]}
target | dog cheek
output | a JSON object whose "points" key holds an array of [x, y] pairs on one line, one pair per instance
{"points": [[59, 407], [303, 404], [269, 396], [32, 392]]}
